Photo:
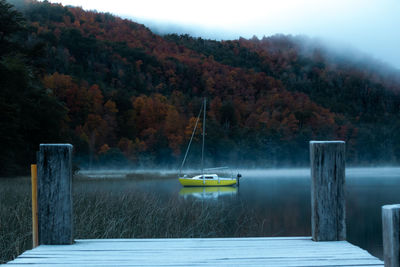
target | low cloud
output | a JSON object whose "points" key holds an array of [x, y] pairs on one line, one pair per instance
{"points": [[367, 25]]}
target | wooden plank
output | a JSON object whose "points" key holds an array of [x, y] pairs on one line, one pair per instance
{"points": [[327, 190], [300, 251], [391, 235], [55, 194]]}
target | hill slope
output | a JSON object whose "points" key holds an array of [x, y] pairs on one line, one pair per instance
{"points": [[127, 95]]}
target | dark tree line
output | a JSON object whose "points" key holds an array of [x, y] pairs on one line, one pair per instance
{"points": [[29, 115]]}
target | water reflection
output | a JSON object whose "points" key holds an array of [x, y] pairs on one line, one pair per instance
{"points": [[208, 192]]}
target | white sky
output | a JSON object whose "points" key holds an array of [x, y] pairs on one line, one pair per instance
{"points": [[371, 26]]}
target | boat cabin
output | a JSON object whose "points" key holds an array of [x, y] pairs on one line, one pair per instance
{"points": [[206, 176]]}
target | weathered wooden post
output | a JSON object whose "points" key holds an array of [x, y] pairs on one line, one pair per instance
{"points": [[55, 194], [327, 190], [391, 235]]}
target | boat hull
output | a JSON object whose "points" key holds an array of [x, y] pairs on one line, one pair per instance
{"points": [[201, 182]]}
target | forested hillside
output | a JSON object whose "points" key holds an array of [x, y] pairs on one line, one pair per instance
{"points": [[123, 95]]}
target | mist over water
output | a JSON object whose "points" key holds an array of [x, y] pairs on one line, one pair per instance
{"points": [[352, 172]]}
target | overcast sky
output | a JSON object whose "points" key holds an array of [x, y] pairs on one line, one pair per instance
{"points": [[371, 26]]}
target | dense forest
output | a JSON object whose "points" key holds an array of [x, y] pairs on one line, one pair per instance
{"points": [[125, 96]]}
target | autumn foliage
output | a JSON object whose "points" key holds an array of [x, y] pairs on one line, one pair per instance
{"points": [[133, 96]]}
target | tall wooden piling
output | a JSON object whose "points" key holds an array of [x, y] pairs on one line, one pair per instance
{"points": [[35, 240], [327, 190], [391, 235], [55, 194]]}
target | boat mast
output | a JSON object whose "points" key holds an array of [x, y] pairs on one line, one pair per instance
{"points": [[204, 133], [190, 142]]}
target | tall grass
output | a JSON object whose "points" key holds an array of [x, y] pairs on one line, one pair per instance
{"points": [[15, 218], [137, 215], [108, 209]]}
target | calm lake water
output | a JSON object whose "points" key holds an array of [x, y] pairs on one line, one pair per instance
{"points": [[281, 198]]}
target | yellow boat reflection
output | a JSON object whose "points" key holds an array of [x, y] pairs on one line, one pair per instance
{"points": [[208, 192]]}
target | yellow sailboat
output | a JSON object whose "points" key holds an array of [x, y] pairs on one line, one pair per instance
{"points": [[205, 179]]}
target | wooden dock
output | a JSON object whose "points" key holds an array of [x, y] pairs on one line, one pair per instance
{"points": [[281, 251]]}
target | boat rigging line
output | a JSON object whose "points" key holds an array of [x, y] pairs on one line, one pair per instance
{"points": [[191, 138]]}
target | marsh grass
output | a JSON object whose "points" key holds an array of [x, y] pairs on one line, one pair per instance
{"points": [[15, 218], [138, 215], [110, 208]]}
